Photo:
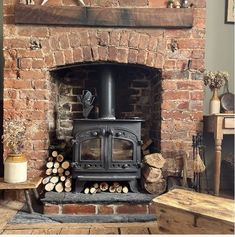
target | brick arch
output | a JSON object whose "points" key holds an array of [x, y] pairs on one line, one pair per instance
{"points": [[121, 46]]}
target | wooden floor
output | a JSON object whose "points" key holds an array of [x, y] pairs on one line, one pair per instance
{"points": [[9, 208]]}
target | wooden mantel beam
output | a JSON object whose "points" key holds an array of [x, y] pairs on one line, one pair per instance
{"points": [[104, 17]]}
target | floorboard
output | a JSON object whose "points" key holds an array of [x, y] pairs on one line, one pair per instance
{"points": [[17, 232], [75, 231], [134, 230], [104, 231]]}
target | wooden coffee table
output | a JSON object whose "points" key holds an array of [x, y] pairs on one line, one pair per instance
{"points": [[185, 212], [30, 184]]}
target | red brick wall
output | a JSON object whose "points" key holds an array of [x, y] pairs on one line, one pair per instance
{"points": [[101, 209], [27, 81]]}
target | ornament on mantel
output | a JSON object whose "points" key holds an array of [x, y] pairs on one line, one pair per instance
{"points": [[170, 3], [27, 2], [80, 1], [177, 4], [185, 4]]}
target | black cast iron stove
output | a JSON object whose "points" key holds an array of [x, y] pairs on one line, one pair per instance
{"points": [[107, 149]]}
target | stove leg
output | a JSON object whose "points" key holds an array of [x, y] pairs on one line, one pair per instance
{"points": [[79, 186], [134, 186]]}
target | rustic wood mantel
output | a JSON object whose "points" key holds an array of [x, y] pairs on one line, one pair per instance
{"points": [[104, 17]]}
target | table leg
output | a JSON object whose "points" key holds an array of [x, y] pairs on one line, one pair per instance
{"points": [[36, 194], [28, 201], [218, 143]]}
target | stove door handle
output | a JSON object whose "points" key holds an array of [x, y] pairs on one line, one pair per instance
{"points": [[94, 134], [103, 132], [111, 132]]}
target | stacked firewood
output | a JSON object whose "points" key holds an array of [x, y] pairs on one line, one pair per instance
{"points": [[58, 174], [146, 147], [114, 187], [153, 181]]}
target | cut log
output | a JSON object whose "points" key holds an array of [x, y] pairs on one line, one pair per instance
{"points": [[48, 171], [62, 178], [49, 164], [54, 179], [104, 186], [68, 182], [119, 189], [60, 170], [60, 158], [146, 152], [96, 185], [46, 180], [65, 165], [58, 147], [54, 171], [116, 184], [67, 189], [50, 158], [92, 190], [147, 144], [155, 188], [67, 173], [112, 189], [125, 189], [49, 187], [56, 165], [54, 154], [155, 160], [86, 190], [59, 187], [151, 175]]}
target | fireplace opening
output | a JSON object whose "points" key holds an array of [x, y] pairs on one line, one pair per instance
{"points": [[106, 146]]}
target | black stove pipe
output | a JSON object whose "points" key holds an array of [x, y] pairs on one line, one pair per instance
{"points": [[107, 93]]}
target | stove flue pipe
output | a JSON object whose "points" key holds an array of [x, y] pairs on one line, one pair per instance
{"points": [[107, 93]]}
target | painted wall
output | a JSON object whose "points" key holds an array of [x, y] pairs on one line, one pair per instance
{"points": [[219, 45], [219, 56]]}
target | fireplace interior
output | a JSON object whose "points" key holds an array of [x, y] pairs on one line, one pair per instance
{"points": [[107, 144]]}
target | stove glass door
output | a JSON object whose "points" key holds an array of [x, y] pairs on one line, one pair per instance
{"points": [[122, 150], [91, 149]]}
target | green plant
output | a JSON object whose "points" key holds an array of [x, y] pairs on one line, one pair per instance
{"points": [[14, 135], [215, 80]]}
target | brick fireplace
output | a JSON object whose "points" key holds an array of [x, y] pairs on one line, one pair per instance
{"points": [[43, 77]]}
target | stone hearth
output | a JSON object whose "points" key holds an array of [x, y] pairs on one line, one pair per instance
{"points": [[104, 207]]}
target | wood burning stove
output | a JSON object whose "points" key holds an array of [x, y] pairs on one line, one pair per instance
{"points": [[106, 149]]}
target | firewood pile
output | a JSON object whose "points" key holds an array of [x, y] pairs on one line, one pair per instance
{"points": [[113, 187], [146, 147], [152, 181], [58, 177]]}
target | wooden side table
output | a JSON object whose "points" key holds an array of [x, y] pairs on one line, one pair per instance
{"points": [[219, 124], [30, 184]]}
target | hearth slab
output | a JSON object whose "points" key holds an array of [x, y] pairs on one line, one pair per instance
{"points": [[102, 218], [25, 218], [107, 198]]}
